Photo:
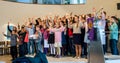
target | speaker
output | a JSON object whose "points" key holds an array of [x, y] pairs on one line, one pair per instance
{"points": [[118, 6]]}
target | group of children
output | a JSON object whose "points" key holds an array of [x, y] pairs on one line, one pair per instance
{"points": [[59, 36]]}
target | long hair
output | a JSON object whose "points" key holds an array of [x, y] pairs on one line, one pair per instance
{"points": [[115, 18]]}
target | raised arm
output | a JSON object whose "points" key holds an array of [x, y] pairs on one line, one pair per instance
{"points": [[70, 24], [63, 29], [17, 35], [27, 23], [103, 15], [37, 22], [18, 27], [81, 24], [9, 28], [47, 23], [94, 12], [6, 35], [51, 29], [33, 21]]}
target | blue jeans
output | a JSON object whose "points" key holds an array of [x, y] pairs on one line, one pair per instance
{"points": [[71, 47], [30, 46], [113, 46], [38, 46], [21, 50]]}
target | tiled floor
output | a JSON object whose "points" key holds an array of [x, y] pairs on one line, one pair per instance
{"points": [[7, 58]]}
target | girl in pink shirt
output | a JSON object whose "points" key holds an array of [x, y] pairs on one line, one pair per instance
{"points": [[58, 32]]}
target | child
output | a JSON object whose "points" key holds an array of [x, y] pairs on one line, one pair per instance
{"points": [[38, 39], [113, 27], [71, 46], [45, 35], [58, 32], [51, 40], [22, 43], [63, 40], [77, 36], [13, 42], [30, 44], [90, 20]]}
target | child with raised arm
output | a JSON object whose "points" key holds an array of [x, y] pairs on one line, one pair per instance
{"points": [[51, 39], [58, 44], [13, 42]]}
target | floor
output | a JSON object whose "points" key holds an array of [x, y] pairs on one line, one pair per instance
{"points": [[114, 58], [7, 58], [66, 60]]}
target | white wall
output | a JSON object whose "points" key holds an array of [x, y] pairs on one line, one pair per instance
{"points": [[19, 12]]}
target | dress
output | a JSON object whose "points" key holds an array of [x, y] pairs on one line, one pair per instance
{"points": [[51, 38], [77, 39]]}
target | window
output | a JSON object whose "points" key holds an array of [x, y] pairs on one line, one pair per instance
{"points": [[82, 1], [25, 1], [77, 1], [52, 1]]}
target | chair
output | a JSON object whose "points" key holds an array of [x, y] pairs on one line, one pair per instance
{"points": [[2, 47]]}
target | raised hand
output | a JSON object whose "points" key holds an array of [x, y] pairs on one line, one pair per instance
{"points": [[8, 23], [18, 26], [94, 9]]}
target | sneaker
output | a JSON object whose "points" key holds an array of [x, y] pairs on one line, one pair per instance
{"points": [[78, 57], [86, 57], [75, 57], [27, 55], [31, 55], [58, 56], [53, 55]]}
